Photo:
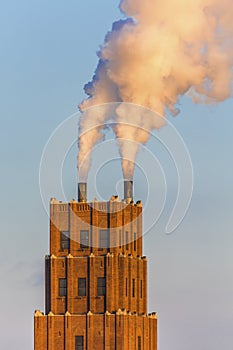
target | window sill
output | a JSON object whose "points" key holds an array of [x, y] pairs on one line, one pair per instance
{"points": [[80, 298]]}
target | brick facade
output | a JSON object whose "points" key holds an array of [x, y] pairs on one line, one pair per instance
{"points": [[95, 293]]}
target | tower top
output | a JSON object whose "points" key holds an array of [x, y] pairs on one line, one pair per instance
{"points": [[128, 192]]}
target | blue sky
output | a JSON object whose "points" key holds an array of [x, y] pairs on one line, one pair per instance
{"points": [[47, 54]]}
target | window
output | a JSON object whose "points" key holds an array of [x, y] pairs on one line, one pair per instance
{"points": [[82, 287], [141, 289], [84, 239], [139, 343], [127, 240], [64, 240], [126, 286], [135, 242], [101, 286], [79, 343], [62, 287], [133, 288], [119, 238], [104, 239]]}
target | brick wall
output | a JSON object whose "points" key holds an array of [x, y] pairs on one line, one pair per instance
{"points": [[116, 320], [101, 332]]}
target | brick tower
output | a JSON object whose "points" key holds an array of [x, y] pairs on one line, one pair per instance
{"points": [[96, 278]]}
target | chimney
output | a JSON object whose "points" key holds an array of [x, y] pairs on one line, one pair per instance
{"points": [[82, 191], [128, 189]]}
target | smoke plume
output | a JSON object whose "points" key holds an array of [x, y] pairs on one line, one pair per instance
{"points": [[159, 52]]}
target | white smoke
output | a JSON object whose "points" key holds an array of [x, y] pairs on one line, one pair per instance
{"points": [[162, 50]]}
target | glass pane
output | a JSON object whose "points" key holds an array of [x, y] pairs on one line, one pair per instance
{"points": [[79, 343], [127, 241], [135, 242], [84, 238], [82, 287], [104, 239], [62, 287], [133, 288], [62, 282], [101, 288], [65, 241], [139, 343]]}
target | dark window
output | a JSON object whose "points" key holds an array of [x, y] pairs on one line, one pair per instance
{"points": [[120, 239], [82, 287], [141, 289], [126, 286], [62, 287], [127, 240], [79, 343], [84, 238], [101, 286], [104, 239], [139, 343], [65, 240], [135, 242], [133, 288]]}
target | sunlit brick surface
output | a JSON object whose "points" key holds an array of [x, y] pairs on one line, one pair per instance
{"points": [[116, 320]]}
